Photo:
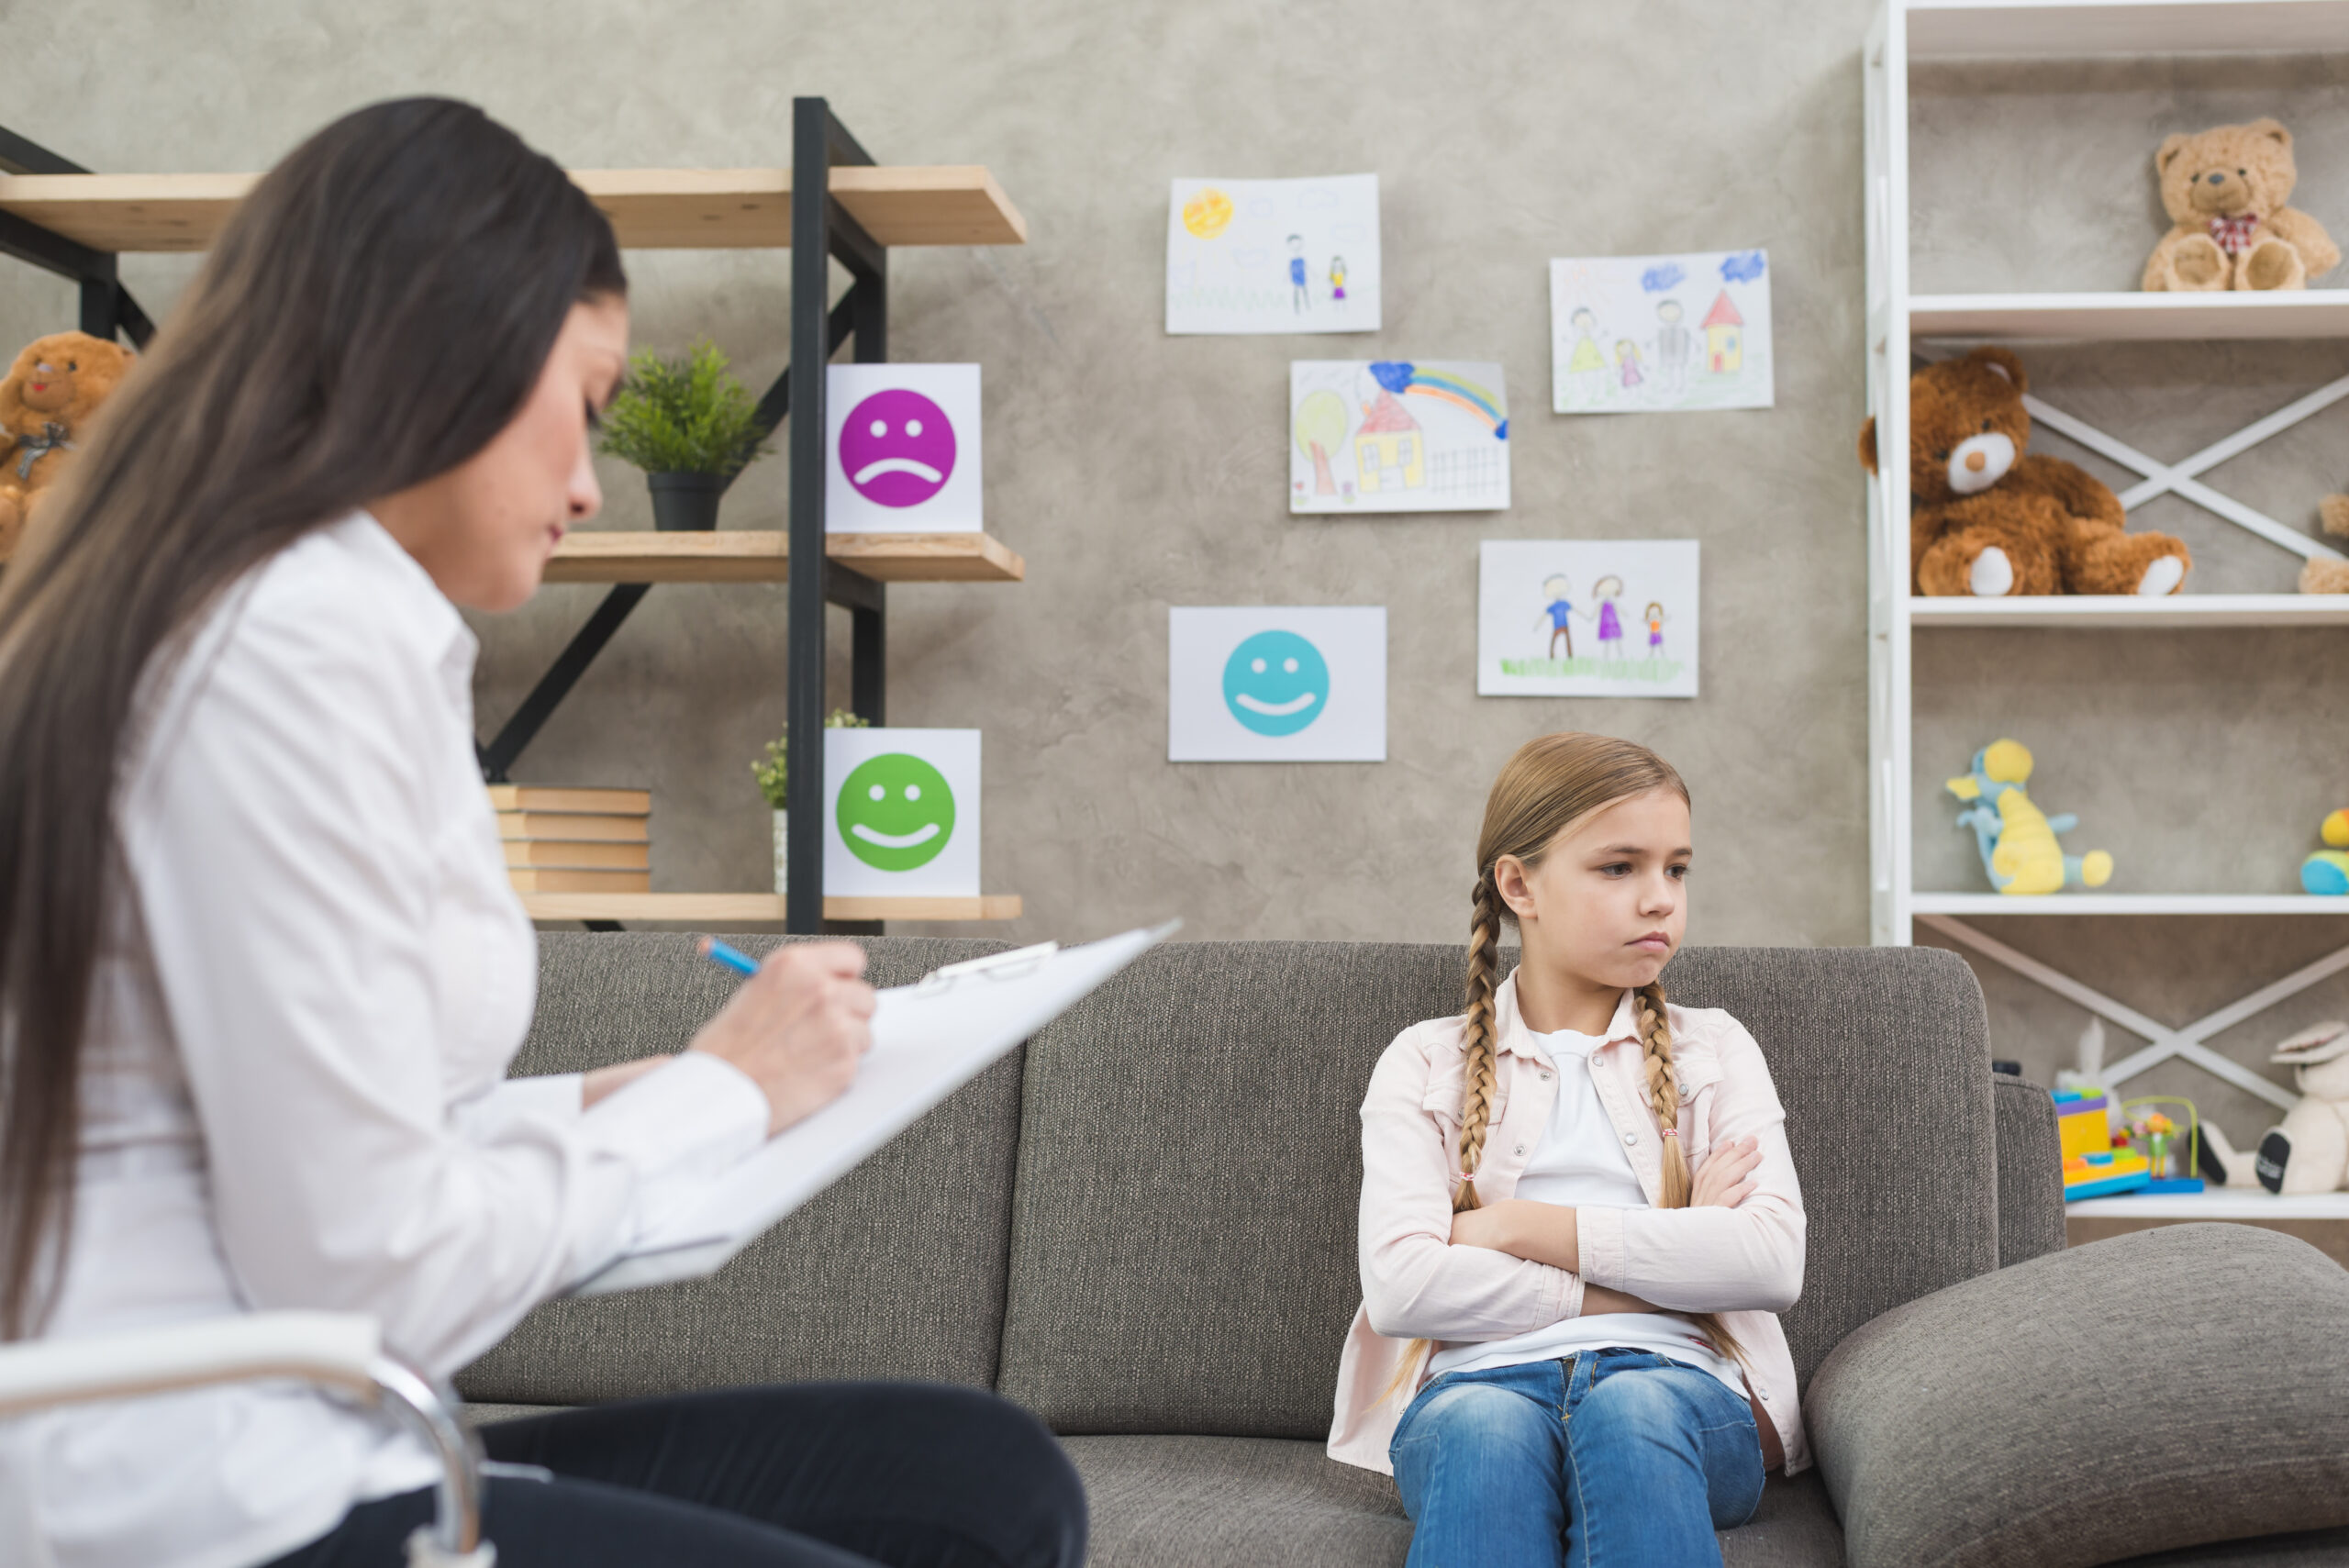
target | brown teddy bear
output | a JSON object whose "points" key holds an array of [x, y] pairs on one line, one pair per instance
{"points": [[2322, 576], [2225, 190], [1985, 519], [46, 402]]}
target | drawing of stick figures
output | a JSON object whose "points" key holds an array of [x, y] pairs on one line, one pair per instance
{"points": [[1627, 362], [1337, 277], [1655, 617], [1558, 614], [1300, 297], [1672, 345], [1607, 590], [1586, 363]]}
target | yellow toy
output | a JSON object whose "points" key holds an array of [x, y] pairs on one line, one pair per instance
{"points": [[2092, 1166], [2327, 871], [2018, 839]]}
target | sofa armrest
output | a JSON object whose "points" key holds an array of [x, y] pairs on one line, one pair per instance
{"points": [[2031, 1171], [2155, 1391]]}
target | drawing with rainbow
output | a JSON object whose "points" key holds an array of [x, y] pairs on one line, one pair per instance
{"points": [[1401, 377]]}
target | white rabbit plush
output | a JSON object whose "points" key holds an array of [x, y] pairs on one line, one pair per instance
{"points": [[2315, 1156]]}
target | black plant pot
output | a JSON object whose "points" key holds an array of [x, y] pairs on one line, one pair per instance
{"points": [[685, 503]]}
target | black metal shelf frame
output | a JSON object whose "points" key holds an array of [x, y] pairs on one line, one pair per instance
{"points": [[820, 230]]}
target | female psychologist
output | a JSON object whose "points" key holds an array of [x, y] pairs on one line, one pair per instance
{"points": [[261, 971]]}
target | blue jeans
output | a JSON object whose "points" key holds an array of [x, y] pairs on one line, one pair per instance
{"points": [[1611, 1459]]}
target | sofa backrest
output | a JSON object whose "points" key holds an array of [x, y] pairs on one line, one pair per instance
{"points": [[897, 1271], [1183, 1229]]}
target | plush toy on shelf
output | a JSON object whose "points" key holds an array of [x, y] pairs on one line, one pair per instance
{"points": [[2320, 576], [2018, 839], [2309, 1152], [46, 402], [2327, 871], [1985, 518], [2224, 190]]}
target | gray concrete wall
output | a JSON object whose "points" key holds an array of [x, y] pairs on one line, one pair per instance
{"points": [[1135, 471]]}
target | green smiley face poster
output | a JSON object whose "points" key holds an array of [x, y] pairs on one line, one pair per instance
{"points": [[901, 813]]}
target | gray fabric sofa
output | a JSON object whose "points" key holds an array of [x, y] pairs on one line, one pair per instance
{"points": [[1142, 1225]]}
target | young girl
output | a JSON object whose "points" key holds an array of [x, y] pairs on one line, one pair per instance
{"points": [[1578, 1214]]}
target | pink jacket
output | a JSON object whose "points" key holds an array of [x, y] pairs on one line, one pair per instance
{"points": [[1743, 1262]]}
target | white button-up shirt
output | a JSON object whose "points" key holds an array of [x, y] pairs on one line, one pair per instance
{"points": [[293, 1092]]}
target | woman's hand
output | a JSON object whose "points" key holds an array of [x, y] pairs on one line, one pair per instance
{"points": [[1726, 1180], [798, 1027]]}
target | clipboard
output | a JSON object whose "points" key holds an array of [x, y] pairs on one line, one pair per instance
{"points": [[929, 1040]]}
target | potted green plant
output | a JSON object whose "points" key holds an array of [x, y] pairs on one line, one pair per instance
{"points": [[773, 772], [690, 425]]}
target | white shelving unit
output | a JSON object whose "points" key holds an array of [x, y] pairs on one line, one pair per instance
{"points": [[2213, 1203], [1903, 325]]}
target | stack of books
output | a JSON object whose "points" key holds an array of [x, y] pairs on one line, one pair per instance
{"points": [[575, 840]]}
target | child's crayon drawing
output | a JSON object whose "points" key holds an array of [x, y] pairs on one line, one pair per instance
{"points": [[1660, 334], [1587, 618], [1273, 255], [1397, 436]]}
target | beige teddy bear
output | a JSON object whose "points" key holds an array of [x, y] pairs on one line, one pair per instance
{"points": [[2225, 190]]}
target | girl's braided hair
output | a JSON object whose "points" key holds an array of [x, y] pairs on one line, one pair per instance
{"points": [[1550, 784]]}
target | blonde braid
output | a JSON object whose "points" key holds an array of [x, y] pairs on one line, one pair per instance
{"points": [[1664, 1098], [1476, 1069], [1477, 1045]]}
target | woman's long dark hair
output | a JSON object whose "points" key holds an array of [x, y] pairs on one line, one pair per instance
{"points": [[375, 311]]}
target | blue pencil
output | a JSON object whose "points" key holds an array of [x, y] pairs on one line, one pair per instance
{"points": [[717, 952]]}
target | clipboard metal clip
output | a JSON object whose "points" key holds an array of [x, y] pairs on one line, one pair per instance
{"points": [[1009, 965]]}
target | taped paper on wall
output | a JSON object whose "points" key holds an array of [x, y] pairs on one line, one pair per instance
{"points": [[1254, 256]]}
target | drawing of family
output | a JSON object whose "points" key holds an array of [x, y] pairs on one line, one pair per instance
{"points": [[1669, 352], [1559, 614]]}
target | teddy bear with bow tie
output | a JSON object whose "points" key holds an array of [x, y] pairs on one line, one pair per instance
{"points": [[2224, 190], [46, 402]]}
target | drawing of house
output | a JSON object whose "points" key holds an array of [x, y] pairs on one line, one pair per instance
{"points": [[1724, 337], [1390, 451]]}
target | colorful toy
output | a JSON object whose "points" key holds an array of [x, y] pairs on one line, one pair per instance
{"points": [[2018, 839], [2092, 1166], [2168, 1164], [2327, 871]]}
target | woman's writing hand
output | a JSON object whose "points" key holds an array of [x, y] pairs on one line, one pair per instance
{"points": [[1726, 1179], [798, 1027]]}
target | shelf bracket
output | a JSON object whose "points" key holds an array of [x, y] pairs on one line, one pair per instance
{"points": [[106, 310], [2163, 1042]]}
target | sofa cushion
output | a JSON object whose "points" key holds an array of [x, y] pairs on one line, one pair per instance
{"points": [[1182, 1238], [1178, 1502], [2148, 1392], [894, 1271], [2031, 1171]]}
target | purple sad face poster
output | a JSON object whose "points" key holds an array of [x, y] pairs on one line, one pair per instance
{"points": [[903, 449]]}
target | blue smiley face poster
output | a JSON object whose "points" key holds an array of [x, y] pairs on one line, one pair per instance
{"points": [[1277, 683]]}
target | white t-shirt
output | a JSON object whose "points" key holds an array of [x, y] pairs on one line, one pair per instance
{"points": [[1580, 1163]]}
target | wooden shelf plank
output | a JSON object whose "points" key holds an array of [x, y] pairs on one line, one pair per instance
{"points": [[649, 208], [2111, 317], [762, 555], [2023, 28], [717, 908], [2126, 611], [2128, 904]]}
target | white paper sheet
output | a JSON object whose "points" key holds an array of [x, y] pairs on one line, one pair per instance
{"points": [[927, 1040], [1249, 256]]}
